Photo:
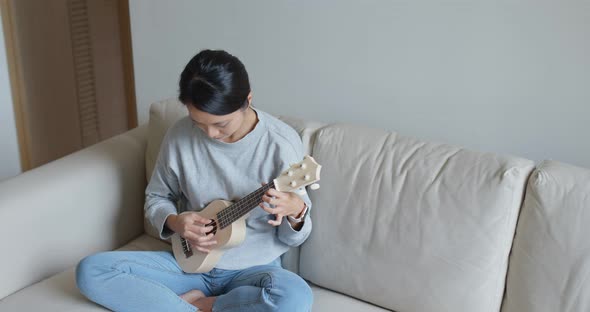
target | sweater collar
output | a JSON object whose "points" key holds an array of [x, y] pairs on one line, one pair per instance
{"points": [[249, 139]]}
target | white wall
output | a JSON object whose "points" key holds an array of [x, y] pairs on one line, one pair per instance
{"points": [[9, 154], [511, 77]]}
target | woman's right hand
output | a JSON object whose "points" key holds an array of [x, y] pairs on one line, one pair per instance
{"points": [[192, 227]]}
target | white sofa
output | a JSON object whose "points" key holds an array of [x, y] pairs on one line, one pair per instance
{"points": [[399, 224]]}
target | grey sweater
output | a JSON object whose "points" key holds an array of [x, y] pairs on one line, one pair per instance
{"points": [[192, 170]]}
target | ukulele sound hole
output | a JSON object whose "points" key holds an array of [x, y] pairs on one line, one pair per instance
{"points": [[214, 225]]}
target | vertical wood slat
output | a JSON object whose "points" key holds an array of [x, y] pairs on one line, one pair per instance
{"points": [[127, 54], [16, 84], [84, 71]]}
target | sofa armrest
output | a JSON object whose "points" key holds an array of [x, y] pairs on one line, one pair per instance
{"points": [[54, 215]]}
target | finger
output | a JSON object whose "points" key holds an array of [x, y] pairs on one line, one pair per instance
{"points": [[267, 208], [195, 243], [194, 216], [202, 239], [203, 230], [265, 203], [277, 221], [275, 193], [195, 237], [192, 237], [275, 211], [201, 249], [268, 199], [199, 230], [208, 243], [200, 219]]}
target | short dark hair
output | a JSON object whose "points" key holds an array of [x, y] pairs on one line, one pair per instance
{"points": [[214, 82]]}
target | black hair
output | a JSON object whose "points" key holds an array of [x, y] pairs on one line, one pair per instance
{"points": [[214, 82]]}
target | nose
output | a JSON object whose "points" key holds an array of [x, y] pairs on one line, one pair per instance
{"points": [[212, 132]]}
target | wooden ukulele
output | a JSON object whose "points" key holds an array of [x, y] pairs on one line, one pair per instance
{"points": [[229, 219]]}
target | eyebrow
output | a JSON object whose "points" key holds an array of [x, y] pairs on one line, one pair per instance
{"points": [[219, 123]]}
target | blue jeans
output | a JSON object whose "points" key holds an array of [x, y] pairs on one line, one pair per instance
{"points": [[152, 281]]}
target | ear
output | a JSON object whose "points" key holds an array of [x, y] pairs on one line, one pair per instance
{"points": [[249, 98]]}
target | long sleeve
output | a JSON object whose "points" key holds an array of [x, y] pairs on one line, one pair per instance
{"points": [[292, 237], [162, 193]]}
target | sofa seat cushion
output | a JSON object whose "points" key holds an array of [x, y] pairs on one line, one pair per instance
{"points": [[57, 293], [60, 294], [327, 300], [411, 225]]}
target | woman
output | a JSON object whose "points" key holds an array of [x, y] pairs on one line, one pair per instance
{"points": [[224, 149]]}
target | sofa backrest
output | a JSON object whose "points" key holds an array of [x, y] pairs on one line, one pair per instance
{"points": [[410, 225], [163, 114], [550, 262]]}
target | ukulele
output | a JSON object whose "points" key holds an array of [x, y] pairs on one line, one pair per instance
{"points": [[229, 219]]}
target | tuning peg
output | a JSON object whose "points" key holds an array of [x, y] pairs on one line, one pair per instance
{"points": [[290, 173], [314, 186], [293, 183]]}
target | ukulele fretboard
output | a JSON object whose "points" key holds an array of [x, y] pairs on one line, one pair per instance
{"points": [[238, 209]]}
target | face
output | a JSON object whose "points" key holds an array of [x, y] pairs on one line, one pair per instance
{"points": [[224, 128]]}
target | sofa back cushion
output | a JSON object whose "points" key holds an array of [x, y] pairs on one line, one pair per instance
{"points": [[550, 262], [409, 225], [163, 114]]}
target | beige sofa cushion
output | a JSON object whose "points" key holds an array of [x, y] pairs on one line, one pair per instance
{"points": [[328, 301], [409, 225], [163, 114], [59, 293], [55, 214], [306, 130], [550, 261]]}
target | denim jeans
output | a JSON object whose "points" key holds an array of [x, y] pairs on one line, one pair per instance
{"points": [[152, 281]]}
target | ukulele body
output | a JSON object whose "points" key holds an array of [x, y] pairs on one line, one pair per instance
{"points": [[195, 261]]}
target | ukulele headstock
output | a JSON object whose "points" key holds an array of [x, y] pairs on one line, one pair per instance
{"points": [[299, 175]]}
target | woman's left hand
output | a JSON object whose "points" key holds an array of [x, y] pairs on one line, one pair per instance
{"points": [[285, 204]]}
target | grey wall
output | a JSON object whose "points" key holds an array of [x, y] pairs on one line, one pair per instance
{"points": [[511, 77], [9, 154]]}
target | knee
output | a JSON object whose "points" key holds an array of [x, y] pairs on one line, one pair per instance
{"points": [[294, 294], [89, 273], [302, 295]]}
